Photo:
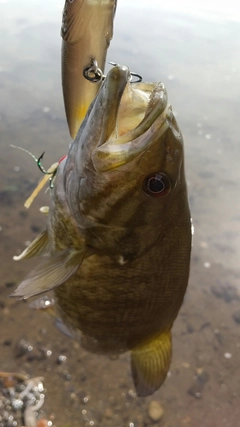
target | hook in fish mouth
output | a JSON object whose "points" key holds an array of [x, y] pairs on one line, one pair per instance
{"points": [[95, 75], [129, 117], [132, 74]]}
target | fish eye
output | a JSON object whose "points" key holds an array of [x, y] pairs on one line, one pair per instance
{"points": [[156, 184]]}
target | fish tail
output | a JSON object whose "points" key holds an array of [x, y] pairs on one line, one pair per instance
{"points": [[150, 363]]}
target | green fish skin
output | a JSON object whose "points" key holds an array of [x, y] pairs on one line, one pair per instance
{"points": [[119, 230]]}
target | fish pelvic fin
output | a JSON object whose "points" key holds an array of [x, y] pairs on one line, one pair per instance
{"points": [[150, 363], [36, 248], [63, 328], [47, 305], [51, 273]]}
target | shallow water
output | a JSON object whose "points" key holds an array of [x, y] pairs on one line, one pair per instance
{"points": [[195, 52]]}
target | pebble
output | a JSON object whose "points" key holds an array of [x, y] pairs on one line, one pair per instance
{"points": [[35, 228], [236, 317], [227, 355], [200, 379], [155, 411], [226, 292], [186, 365], [206, 264], [10, 284], [23, 347], [43, 423], [109, 413], [61, 359]]}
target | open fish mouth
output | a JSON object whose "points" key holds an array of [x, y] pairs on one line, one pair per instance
{"points": [[134, 115]]}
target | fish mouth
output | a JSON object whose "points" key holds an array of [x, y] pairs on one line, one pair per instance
{"points": [[134, 114]]}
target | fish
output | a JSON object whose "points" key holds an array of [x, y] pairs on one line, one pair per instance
{"points": [[87, 29], [118, 238]]}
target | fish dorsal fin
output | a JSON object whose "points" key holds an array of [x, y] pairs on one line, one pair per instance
{"points": [[150, 363], [37, 247], [52, 272]]}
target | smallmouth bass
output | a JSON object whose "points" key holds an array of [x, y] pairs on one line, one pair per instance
{"points": [[118, 236]]}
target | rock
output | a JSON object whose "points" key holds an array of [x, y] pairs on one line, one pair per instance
{"points": [[23, 347], [10, 284], [226, 292], [236, 317], [35, 228], [108, 413], [195, 391], [61, 359], [42, 423], [155, 411], [2, 304], [200, 380]]}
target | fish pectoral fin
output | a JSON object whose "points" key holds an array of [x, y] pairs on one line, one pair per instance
{"points": [[150, 363], [62, 327], [50, 273], [37, 247]]}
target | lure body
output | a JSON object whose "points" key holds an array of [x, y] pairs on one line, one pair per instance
{"points": [[87, 28]]}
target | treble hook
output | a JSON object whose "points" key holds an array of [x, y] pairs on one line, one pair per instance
{"points": [[40, 166], [139, 78], [95, 75]]}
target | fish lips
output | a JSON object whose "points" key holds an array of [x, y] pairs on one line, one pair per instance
{"points": [[113, 150], [96, 129], [108, 101]]}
